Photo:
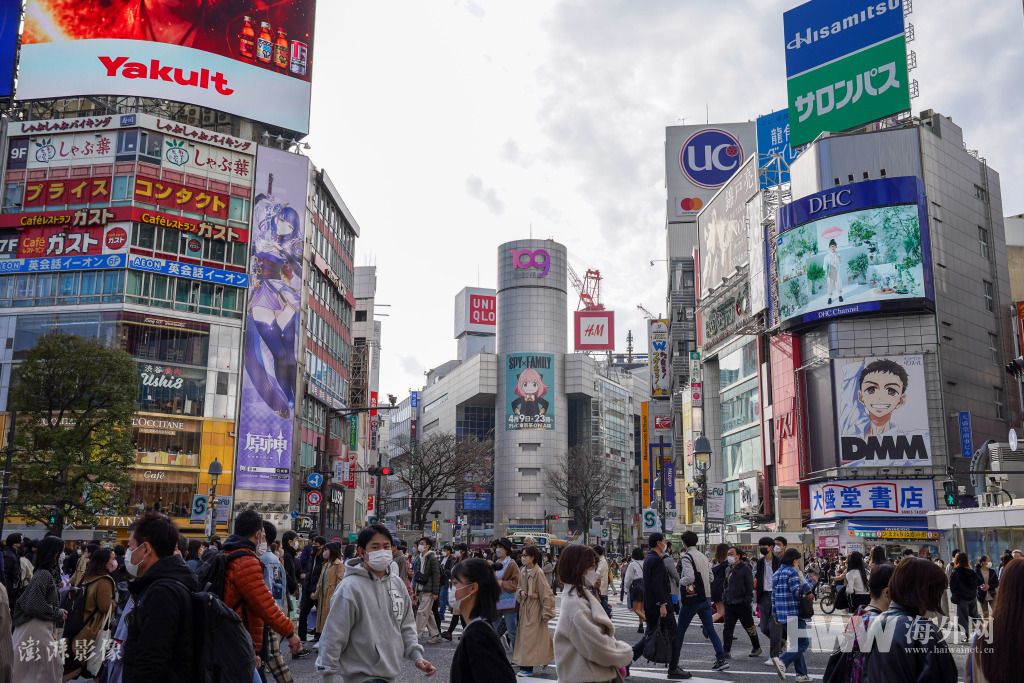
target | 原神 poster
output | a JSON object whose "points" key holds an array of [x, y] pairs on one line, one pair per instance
{"points": [[529, 391], [882, 408]]}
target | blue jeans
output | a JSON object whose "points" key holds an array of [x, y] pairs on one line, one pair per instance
{"points": [[442, 601], [607, 607], [799, 663], [703, 611]]}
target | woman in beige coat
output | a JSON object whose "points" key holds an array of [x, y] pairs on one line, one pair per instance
{"points": [[585, 644], [330, 577], [100, 596], [536, 608]]}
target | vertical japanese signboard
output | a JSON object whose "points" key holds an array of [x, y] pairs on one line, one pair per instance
{"points": [[645, 456], [846, 65], [266, 416], [774, 153], [658, 355]]}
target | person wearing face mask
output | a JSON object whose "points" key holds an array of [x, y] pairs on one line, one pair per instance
{"points": [[330, 577], [100, 594], [737, 596], [370, 627], [244, 589], [536, 609], [789, 587], [428, 586], [158, 639], [657, 608], [506, 571], [987, 586], [461, 555], [480, 657], [764, 571], [37, 615], [312, 564], [447, 562], [585, 645], [274, 578], [695, 598]]}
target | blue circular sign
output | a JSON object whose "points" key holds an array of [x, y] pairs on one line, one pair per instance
{"points": [[315, 480], [710, 156], [294, 514]]}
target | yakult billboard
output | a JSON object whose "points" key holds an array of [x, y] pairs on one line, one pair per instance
{"points": [[252, 58]]}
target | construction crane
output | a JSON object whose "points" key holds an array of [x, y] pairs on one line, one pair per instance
{"points": [[589, 289], [647, 314]]}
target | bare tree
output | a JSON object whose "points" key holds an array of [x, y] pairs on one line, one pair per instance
{"points": [[437, 467], [582, 483]]}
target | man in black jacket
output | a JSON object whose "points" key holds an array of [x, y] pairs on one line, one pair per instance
{"points": [[737, 594], [658, 603], [309, 584], [12, 567], [763, 580], [160, 645]]}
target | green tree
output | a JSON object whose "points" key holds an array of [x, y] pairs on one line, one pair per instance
{"points": [[73, 442], [815, 274]]}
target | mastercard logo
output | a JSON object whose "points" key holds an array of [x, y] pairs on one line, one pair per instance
{"points": [[691, 204]]}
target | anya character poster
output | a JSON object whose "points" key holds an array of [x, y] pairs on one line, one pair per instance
{"points": [[529, 391], [883, 411]]}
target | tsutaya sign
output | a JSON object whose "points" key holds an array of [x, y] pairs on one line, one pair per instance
{"points": [[532, 259]]}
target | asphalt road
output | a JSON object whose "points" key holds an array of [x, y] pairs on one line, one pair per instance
{"points": [[696, 656]]}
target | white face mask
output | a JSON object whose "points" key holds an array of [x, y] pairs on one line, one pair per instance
{"points": [[500, 552], [453, 598], [378, 560], [261, 548], [591, 576], [778, 550], [60, 560], [422, 547], [731, 559], [130, 566]]}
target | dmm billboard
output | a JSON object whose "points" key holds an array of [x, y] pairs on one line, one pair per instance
{"points": [[846, 65], [854, 249], [698, 161], [272, 322], [247, 57]]}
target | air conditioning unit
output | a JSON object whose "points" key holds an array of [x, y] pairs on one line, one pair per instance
{"points": [[209, 116]]}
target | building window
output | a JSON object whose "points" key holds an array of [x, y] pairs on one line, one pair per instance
{"points": [[990, 297], [993, 347], [1000, 403], [980, 193], [983, 241], [360, 316]]}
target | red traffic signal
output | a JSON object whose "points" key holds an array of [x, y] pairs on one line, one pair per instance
{"points": [[385, 471], [380, 471]]}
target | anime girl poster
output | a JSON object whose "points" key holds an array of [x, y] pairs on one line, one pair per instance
{"points": [[529, 391]]}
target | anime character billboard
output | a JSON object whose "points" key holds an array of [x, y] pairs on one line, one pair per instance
{"points": [[883, 411], [529, 391], [270, 355]]}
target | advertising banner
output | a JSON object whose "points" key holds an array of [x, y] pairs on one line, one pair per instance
{"points": [[68, 149], [482, 310], [722, 229], [151, 264], [10, 24], [882, 407], [657, 350], [846, 65], [594, 330], [67, 217], [89, 241], [270, 358], [476, 501], [646, 480], [774, 153], [178, 196], [871, 498], [966, 436], [55, 193], [854, 249], [529, 378], [476, 311], [668, 470], [67, 263], [251, 58], [699, 160]]}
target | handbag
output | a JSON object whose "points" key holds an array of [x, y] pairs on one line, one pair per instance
{"points": [[99, 653], [697, 597], [658, 645], [805, 608]]}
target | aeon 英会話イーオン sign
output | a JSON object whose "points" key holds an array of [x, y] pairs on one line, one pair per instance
{"points": [[532, 259]]}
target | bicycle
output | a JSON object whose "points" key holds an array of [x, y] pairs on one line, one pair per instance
{"points": [[826, 594]]}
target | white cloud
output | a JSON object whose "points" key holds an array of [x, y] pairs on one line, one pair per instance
{"points": [[450, 128]]}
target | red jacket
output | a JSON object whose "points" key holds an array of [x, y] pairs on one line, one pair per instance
{"points": [[247, 594]]}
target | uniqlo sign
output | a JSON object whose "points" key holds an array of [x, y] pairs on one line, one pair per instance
{"points": [[482, 309], [594, 330]]}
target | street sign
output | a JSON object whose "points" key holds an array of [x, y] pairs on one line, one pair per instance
{"points": [[966, 438], [313, 508], [670, 519], [651, 523], [433, 526], [313, 498], [294, 514], [315, 480], [200, 505]]}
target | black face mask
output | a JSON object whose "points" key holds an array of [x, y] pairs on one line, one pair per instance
{"points": [[764, 551]]}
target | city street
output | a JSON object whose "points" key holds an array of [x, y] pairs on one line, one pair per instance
{"points": [[696, 656]]}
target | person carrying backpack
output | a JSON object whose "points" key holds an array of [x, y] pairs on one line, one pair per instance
{"points": [[160, 646], [274, 577], [244, 589]]}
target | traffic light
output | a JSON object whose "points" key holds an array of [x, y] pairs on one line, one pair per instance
{"points": [[380, 471], [950, 494]]}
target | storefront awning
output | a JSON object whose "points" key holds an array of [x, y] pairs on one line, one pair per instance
{"points": [[897, 529]]}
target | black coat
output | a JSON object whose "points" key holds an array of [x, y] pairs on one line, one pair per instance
{"points": [[291, 570], [160, 643], [918, 652], [12, 574], [759, 574], [963, 584], [717, 581], [657, 590], [739, 584], [993, 583], [480, 657]]}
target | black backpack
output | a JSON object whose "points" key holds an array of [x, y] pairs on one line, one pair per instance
{"points": [[74, 603]]}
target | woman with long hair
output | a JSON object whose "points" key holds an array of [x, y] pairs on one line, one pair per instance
{"points": [[633, 583], [878, 557], [480, 656], [963, 590], [718, 566], [988, 584], [100, 601], [536, 608], [585, 644], [38, 616], [856, 579], [193, 554], [993, 657], [330, 576]]}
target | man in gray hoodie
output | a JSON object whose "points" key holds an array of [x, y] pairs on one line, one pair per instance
{"points": [[370, 627]]}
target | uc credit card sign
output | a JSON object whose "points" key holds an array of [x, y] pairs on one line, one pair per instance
{"points": [[699, 160]]}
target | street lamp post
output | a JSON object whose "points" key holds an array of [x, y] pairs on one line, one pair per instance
{"points": [[702, 461], [215, 470]]}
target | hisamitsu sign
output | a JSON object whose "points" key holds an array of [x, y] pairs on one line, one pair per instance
{"points": [[869, 498]]}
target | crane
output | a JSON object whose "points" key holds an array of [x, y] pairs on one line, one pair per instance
{"points": [[647, 314], [589, 289]]}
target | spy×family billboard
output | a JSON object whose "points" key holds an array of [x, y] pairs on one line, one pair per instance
{"points": [[272, 322], [529, 391]]}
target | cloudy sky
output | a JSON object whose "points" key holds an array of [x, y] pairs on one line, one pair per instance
{"points": [[451, 126]]}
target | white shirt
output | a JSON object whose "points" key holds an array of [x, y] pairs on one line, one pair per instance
{"points": [[855, 583], [768, 573]]}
